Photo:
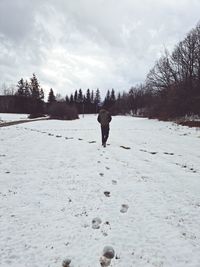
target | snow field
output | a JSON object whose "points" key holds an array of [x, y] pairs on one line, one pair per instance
{"points": [[6, 117], [53, 179]]}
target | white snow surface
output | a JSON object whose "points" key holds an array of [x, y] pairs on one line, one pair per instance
{"points": [[53, 175], [6, 117]]}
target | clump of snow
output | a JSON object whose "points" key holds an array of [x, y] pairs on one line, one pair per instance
{"points": [[108, 252], [108, 255], [104, 262]]}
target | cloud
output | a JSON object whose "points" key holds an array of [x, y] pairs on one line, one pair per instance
{"points": [[89, 43]]}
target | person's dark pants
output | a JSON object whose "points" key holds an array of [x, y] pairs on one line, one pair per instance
{"points": [[104, 133]]}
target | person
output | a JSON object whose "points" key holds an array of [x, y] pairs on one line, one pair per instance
{"points": [[104, 118]]}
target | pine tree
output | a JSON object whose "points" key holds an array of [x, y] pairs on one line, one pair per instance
{"points": [[67, 99], [41, 94], [27, 92], [37, 95], [92, 97], [21, 88], [88, 96], [51, 97], [35, 88], [80, 96], [118, 96], [97, 98], [107, 100], [108, 96], [75, 96], [71, 100], [112, 97]]}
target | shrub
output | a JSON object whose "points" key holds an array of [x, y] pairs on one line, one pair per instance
{"points": [[36, 115], [61, 111]]}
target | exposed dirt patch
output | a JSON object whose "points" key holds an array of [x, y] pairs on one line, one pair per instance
{"points": [[10, 123]]}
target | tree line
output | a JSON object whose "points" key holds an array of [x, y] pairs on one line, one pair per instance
{"points": [[87, 103], [27, 98], [171, 89]]}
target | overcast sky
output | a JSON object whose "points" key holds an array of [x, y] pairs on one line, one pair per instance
{"points": [[72, 44]]}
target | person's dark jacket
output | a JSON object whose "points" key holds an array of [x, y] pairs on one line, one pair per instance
{"points": [[104, 118]]}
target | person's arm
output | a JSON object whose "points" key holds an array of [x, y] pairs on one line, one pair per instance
{"points": [[98, 119]]}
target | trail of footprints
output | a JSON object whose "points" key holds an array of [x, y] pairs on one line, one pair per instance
{"points": [[97, 222], [56, 135], [124, 207], [105, 227], [67, 138]]}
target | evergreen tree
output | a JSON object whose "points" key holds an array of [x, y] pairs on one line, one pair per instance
{"points": [[51, 97], [97, 98], [37, 96], [112, 97], [76, 96], [41, 94], [67, 99], [21, 88], [80, 96], [88, 96], [92, 97], [27, 92], [107, 100], [71, 99], [118, 96], [88, 104], [35, 88]]}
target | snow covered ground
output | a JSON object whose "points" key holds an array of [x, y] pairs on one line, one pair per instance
{"points": [[55, 178], [4, 117]]}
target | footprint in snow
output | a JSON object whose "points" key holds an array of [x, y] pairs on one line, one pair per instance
{"points": [[125, 147], [105, 228], [143, 150], [150, 152], [107, 193], [124, 208], [66, 263], [101, 174], [96, 223], [167, 153], [92, 142], [114, 182]]}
